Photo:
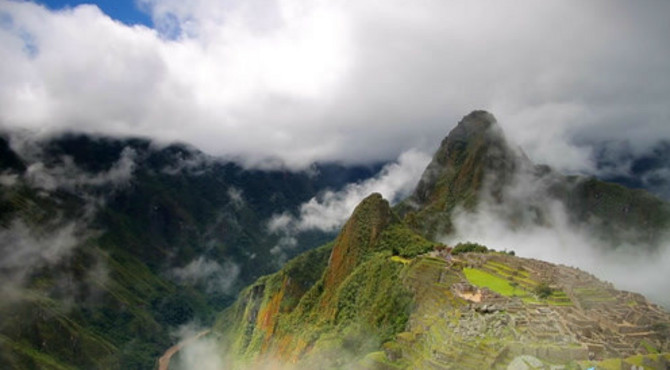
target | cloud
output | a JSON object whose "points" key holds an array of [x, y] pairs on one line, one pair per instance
{"points": [[24, 251], [236, 197], [213, 276], [8, 179], [512, 226], [329, 210], [354, 81], [68, 176]]}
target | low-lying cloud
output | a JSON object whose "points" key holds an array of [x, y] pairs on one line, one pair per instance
{"points": [[556, 239], [329, 210], [23, 251], [212, 275], [68, 176]]}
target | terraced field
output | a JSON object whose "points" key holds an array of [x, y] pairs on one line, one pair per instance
{"points": [[479, 311]]}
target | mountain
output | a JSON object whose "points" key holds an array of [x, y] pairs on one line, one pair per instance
{"points": [[329, 304], [108, 245], [381, 296], [475, 165], [385, 294]]}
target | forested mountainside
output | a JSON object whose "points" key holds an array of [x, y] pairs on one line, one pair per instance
{"points": [[108, 244]]}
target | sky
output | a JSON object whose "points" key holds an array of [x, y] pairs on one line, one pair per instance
{"points": [[290, 82], [126, 11]]}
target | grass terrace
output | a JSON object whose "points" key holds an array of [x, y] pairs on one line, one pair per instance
{"points": [[506, 282]]}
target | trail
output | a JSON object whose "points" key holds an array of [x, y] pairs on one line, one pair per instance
{"points": [[164, 361]]}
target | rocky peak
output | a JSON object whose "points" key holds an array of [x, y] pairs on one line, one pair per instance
{"points": [[475, 124], [474, 156], [357, 238], [476, 147]]}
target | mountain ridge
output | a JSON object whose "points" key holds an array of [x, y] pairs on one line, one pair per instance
{"points": [[470, 310], [113, 242]]}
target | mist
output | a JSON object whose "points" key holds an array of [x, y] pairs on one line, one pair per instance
{"points": [[329, 210], [215, 277], [633, 267], [26, 250]]}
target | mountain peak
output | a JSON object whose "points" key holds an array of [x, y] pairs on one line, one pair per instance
{"points": [[475, 151], [358, 237], [475, 123]]}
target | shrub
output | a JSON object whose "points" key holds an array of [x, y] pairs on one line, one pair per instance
{"points": [[469, 247], [543, 290]]}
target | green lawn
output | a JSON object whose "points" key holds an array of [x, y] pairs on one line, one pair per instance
{"points": [[497, 284], [502, 286]]}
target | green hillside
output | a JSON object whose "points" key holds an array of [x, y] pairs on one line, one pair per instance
{"points": [[94, 231], [429, 309]]}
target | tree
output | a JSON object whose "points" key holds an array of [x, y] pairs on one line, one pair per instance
{"points": [[543, 290]]}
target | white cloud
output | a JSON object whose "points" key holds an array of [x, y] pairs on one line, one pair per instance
{"points": [[556, 239], [213, 276], [236, 197], [69, 176], [329, 210], [354, 81], [24, 251]]}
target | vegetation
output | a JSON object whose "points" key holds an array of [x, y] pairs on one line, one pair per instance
{"points": [[484, 279], [543, 290], [174, 209], [469, 247], [352, 307]]}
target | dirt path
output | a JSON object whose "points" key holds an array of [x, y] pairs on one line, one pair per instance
{"points": [[164, 361]]}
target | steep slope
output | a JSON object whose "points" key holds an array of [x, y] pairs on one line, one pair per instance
{"points": [[433, 309], [353, 305], [475, 165], [114, 243], [473, 158]]}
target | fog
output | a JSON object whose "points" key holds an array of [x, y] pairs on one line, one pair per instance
{"points": [[637, 268], [329, 210], [215, 277]]}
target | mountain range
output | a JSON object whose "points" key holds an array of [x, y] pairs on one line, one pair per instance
{"points": [[109, 244]]}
